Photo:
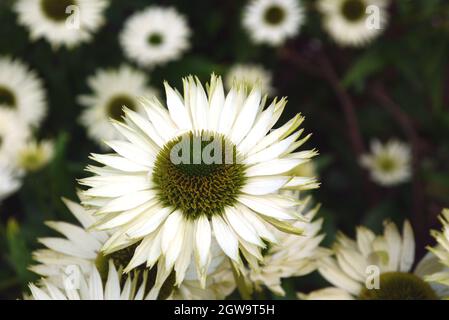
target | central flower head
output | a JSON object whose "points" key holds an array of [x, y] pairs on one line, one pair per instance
{"points": [[155, 39], [400, 286], [114, 108], [56, 9], [199, 173], [274, 15], [353, 10], [7, 97]]}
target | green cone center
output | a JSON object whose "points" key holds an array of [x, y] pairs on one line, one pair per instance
{"points": [[155, 39], [56, 9], [7, 97], [353, 10], [399, 286], [386, 164], [115, 106], [199, 174], [274, 15]]}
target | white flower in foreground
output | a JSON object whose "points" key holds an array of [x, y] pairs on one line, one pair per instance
{"points": [[9, 181], [81, 247], [21, 91], [390, 256], [292, 255], [89, 287], [442, 252], [35, 155], [61, 22], [273, 21], [354, 22], [155, 36], [251, 75], [389, 164], [207, 167], [112, 89], [13, 136]]}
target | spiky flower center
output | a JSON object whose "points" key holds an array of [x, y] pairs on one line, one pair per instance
{"points": [[121, 258], [399, 286], [7, 97], [155, 39], [386, 164], [353, 10], [274, 15], [114, 108], [57, 9], [199, 173]]}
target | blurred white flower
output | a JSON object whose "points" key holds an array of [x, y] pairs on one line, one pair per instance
{"points": [[35, 155], [13, 136], [389, 164], [155, 36], [61, 22], [81, 247], [354, 22], [291, 255], [21, 91], [112, 89], [377, 267], [442, 252], [273, 21], [174, 209], [251, 75], [10, 181]]}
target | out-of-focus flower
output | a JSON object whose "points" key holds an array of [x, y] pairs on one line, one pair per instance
{"points": [[291, 255], [61, 22], [389, 164], [81, 247], [13, 136], [251, 75], [354, 22], [173, 199], [9, 181], [113, 89], [155, 36], [35, 155], [442, 252], [21, 91], [377, 267], [273, 21], [89, 286]]}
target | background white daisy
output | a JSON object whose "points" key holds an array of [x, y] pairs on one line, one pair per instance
{"points": [[112, 90], [155, 36], [351, 23], [61, 22], [273, 21], [13, 137], [34, 155], [22, 91], [9, 181], [251, 75], [389, 164]]}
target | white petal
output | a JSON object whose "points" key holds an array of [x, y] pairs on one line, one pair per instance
{"points": [[176, 107], [225, 238], [264, 185]]}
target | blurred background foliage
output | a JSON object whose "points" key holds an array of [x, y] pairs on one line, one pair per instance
{"points": [[396, 87]]}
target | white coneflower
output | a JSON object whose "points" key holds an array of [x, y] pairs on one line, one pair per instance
{"points": [[273, 21], [81, 247], [207, 167], [35, 155], [61, 22], [354, 22], [292, 255], [377, 267], [21, 91], [155, 36], [389, 164], [9, 181], [442, 252], [251, 75], [90, 286], [112, 89], [13, 136]]}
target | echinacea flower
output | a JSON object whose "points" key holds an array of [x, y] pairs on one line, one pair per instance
{"points": [[208, 167], [251, 75], [354, 23], [35, 155], [273, 21], [112, 89], [155, 36]]}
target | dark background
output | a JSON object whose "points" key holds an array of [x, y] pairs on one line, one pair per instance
{"points": [[395, 87]]}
